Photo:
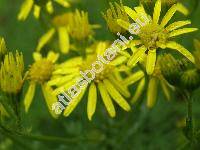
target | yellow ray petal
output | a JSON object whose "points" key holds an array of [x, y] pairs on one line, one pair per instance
{"points": [[65, 71], [181, 49], [182, 31], [106, 100], [116, 95], [61, 80], [37, 56], [133, 78], [137, 56], [50, 99], [25, 9], [177, 25], [73, 62], [123, 24], [29, 96], [63, 39], [181, 8], [53, 57], [135, 43], [139, 91], [101, 46], [169, 15], [165, 89], [117, 75], [156, 12], [118, 61], [151, 61], [64, 87], [74, 102], [124, 53], [63, 3], [36, 11], [49, 7], [92, 100], [45, 39], [121, 88], [140, 10], [131, 13], [123, 68], [152, 92]]}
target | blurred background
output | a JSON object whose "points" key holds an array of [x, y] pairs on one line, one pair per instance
{"points": [[141, 129]]}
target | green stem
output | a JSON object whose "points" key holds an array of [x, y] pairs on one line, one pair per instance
{"points": [[50, 139], [189, 119], [42, 138]]}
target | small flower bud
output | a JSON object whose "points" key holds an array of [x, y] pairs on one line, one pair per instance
{"points": [[3, 49]]}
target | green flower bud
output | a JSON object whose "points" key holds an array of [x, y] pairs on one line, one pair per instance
{"points": [[190, 79], [171, 69], [180, 73]]}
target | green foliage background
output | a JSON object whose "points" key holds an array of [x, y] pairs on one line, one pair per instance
{"points": [[141, 129]]}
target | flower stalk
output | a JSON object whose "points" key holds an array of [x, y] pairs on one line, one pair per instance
{"points": [[189, 118]]}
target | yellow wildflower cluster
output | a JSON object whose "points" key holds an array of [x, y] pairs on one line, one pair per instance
{"points": [[138, 61], [155, 35], [75, 25]]}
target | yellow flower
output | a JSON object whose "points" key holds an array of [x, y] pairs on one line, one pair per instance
{"points": [[11, 73], [79, 26], [40, 73], [74, 24], [154, 35], [106, 79], [116, 11], [61, 26], [153, 83], [47, 5]]}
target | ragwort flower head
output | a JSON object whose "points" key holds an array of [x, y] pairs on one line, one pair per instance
{"points": [[154, 35], [116, 11], [180, 73], [79, 26], [40, 73], [37, 6], [75, 25], [11, 73], [171, 68], [107, 80], [60, 26], [190, 79], [153, 83]]}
